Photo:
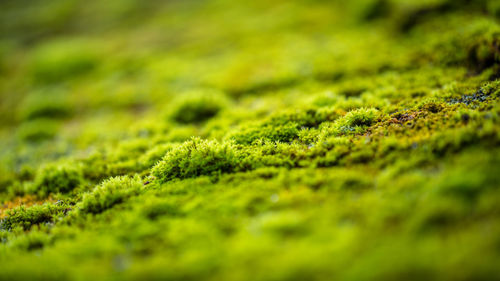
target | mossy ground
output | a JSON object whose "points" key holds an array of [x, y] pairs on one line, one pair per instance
{"points": [[254, 140]]}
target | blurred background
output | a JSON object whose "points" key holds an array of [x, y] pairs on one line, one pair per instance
{"points": [[75, 75]]}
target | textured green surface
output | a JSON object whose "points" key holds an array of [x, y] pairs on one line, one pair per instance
{"points": [[250, 140]]}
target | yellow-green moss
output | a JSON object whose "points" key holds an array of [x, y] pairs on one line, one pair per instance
{"points": [[257, 140]]}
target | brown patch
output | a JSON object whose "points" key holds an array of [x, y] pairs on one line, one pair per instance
{"points": [[27, 201], [401, 118]]}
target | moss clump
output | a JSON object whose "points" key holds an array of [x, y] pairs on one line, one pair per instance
{"points": [[194, 158], [355, 121], [155, 154], [196, 107], [34, 240], [110, 193], [45, 104], [55, 178], [477, 47], [27, 217], [284, 126], [38, 130], [268, 131], [376, 9], [156, 208], [61, 60], [432, 106]]}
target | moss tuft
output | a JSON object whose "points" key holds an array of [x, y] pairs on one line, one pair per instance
{"points": [[194, 158], [61, 60], [110, 193], [55, 178], [27, 217], [198, 106], [355, 121], [45, 104], [38, 130]]}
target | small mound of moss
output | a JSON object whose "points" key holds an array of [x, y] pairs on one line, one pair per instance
{"points": [[477, 47], [194, 158], [355, 121], [55, 178], [110, 193], [285, 126], [27, 217], [38, 130], [45, 104], [155, 154], [60, 60], [198, 106]]}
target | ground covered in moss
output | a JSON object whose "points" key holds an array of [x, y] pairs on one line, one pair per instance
{"points": [[250, 140]]}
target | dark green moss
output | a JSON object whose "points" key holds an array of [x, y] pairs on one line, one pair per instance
{"points": [[38, 130], [61, 60], [54, 178], [27, 217], [377, 9], [285, 126], [197, 107], [45, 104]]}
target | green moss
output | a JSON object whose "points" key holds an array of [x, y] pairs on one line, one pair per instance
{"points": [[45, 104], [60, 60], [25, 218], [271, 140], [110, 193], [155, 208], [198, 106], [35, 240], [38, 130], [476, 47], [155, 154], [355, 121], [196, 157], [284, 126], [55, 178], [274, 132]]}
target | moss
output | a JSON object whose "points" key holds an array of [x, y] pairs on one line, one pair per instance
{"points": [[27, 217], [493, 8], [45, 104], [55, 178], [196, 157], [60, 60], [33, 241], [271, 140], [376, 9], [433, 107], [355, 122], [155, 154], [38, 130], [110, 193], [476, 48], [155, 208], [284, 126], [195, 107], [274, 132]]}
